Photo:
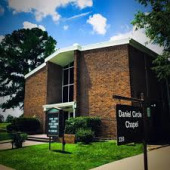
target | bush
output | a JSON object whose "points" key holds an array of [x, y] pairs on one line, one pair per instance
{"points": [[74, 124], [10, 118], [27, 125], [18, 138], [85, 135]]}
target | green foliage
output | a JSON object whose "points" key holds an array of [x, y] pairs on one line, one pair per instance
{"points": [[10, 118], [21, 52], [18, 138], [156, 22], [28, 125], [3, 126], [74, 124], [85, 135], [81, 157], [162, 66], [157, 28]]}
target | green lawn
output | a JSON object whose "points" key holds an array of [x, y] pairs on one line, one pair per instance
{"points": [[3, 134], [3, 125], [77, 157]]}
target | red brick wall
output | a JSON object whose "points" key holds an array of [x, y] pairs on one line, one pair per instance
{"points": [[102, 73], [35, 95]]}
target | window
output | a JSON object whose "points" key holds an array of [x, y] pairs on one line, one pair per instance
{"points": [[68, 83]]}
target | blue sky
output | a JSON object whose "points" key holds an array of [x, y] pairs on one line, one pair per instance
{"points": [[70, 21], [73, 21]]}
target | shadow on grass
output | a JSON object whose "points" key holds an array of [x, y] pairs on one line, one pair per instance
{"points": [[60, 151], [10, 149]]}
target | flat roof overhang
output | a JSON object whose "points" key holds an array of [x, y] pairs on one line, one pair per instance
{"points": [[68, 106], [60, 57], [64, 56]]}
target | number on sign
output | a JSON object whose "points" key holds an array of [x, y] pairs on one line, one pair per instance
{"points": [[121, 139]]}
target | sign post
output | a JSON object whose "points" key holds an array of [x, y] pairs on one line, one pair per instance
{"points": [[131, 124], [54, 124]]}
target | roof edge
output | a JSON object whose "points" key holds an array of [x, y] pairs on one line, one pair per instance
{"points": [[142, 48], [106, 44], [35, 70], [124, 41]]}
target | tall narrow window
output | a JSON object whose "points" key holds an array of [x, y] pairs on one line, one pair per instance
{"points": [[68, 83]]}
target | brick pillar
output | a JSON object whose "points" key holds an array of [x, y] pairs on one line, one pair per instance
{"points": [[76, 72]]}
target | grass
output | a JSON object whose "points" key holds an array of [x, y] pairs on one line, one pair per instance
{"points": [[3, 134], [3, 125], [77, 156]]}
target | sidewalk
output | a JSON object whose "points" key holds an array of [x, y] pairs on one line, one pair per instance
{"points": [[2, 167], [158, 159], [26, 143]]}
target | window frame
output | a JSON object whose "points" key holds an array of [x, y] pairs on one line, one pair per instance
{"points": [[69, 84]]}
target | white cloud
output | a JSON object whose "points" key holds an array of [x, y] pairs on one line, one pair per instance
{"points": [[43, 8], [65, 27], [29, 25], [1, 10], [1, 37], [140, 36], [84, 3], [99, 23], [14, 112]]}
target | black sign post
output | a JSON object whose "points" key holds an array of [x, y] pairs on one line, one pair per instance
{"points": [[129, 124], [54, 124]]}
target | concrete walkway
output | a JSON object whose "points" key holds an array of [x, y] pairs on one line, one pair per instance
{"points": [[158, 159], [2, 167], [26, 143]]}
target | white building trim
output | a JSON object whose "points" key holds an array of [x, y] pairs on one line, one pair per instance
{"points": [[62, 51], [35, 70]]}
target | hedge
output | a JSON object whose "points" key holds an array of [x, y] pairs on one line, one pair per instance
{"points": [[24, 125], [85, 135], [74, 124]]}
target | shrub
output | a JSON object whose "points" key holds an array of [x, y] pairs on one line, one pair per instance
{"points": [[18, 138], [73, 124], [10, 118], [27, 125], [85, 135]]}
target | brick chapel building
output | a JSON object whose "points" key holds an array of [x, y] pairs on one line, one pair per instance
{"points": [[83, 79]]}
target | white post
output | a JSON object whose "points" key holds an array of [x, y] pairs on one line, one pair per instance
{"points": [[74, 112]]}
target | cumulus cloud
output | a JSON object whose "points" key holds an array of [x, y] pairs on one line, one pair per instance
{"points": [[65, 27], [99, 23], [1, 37], [84, 3], [1, 10], [29, 25], [140, 36], [43, 8]]}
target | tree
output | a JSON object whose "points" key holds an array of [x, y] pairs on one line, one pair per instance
{"points": [[157, 27], [1, 118], [21, 52]]}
